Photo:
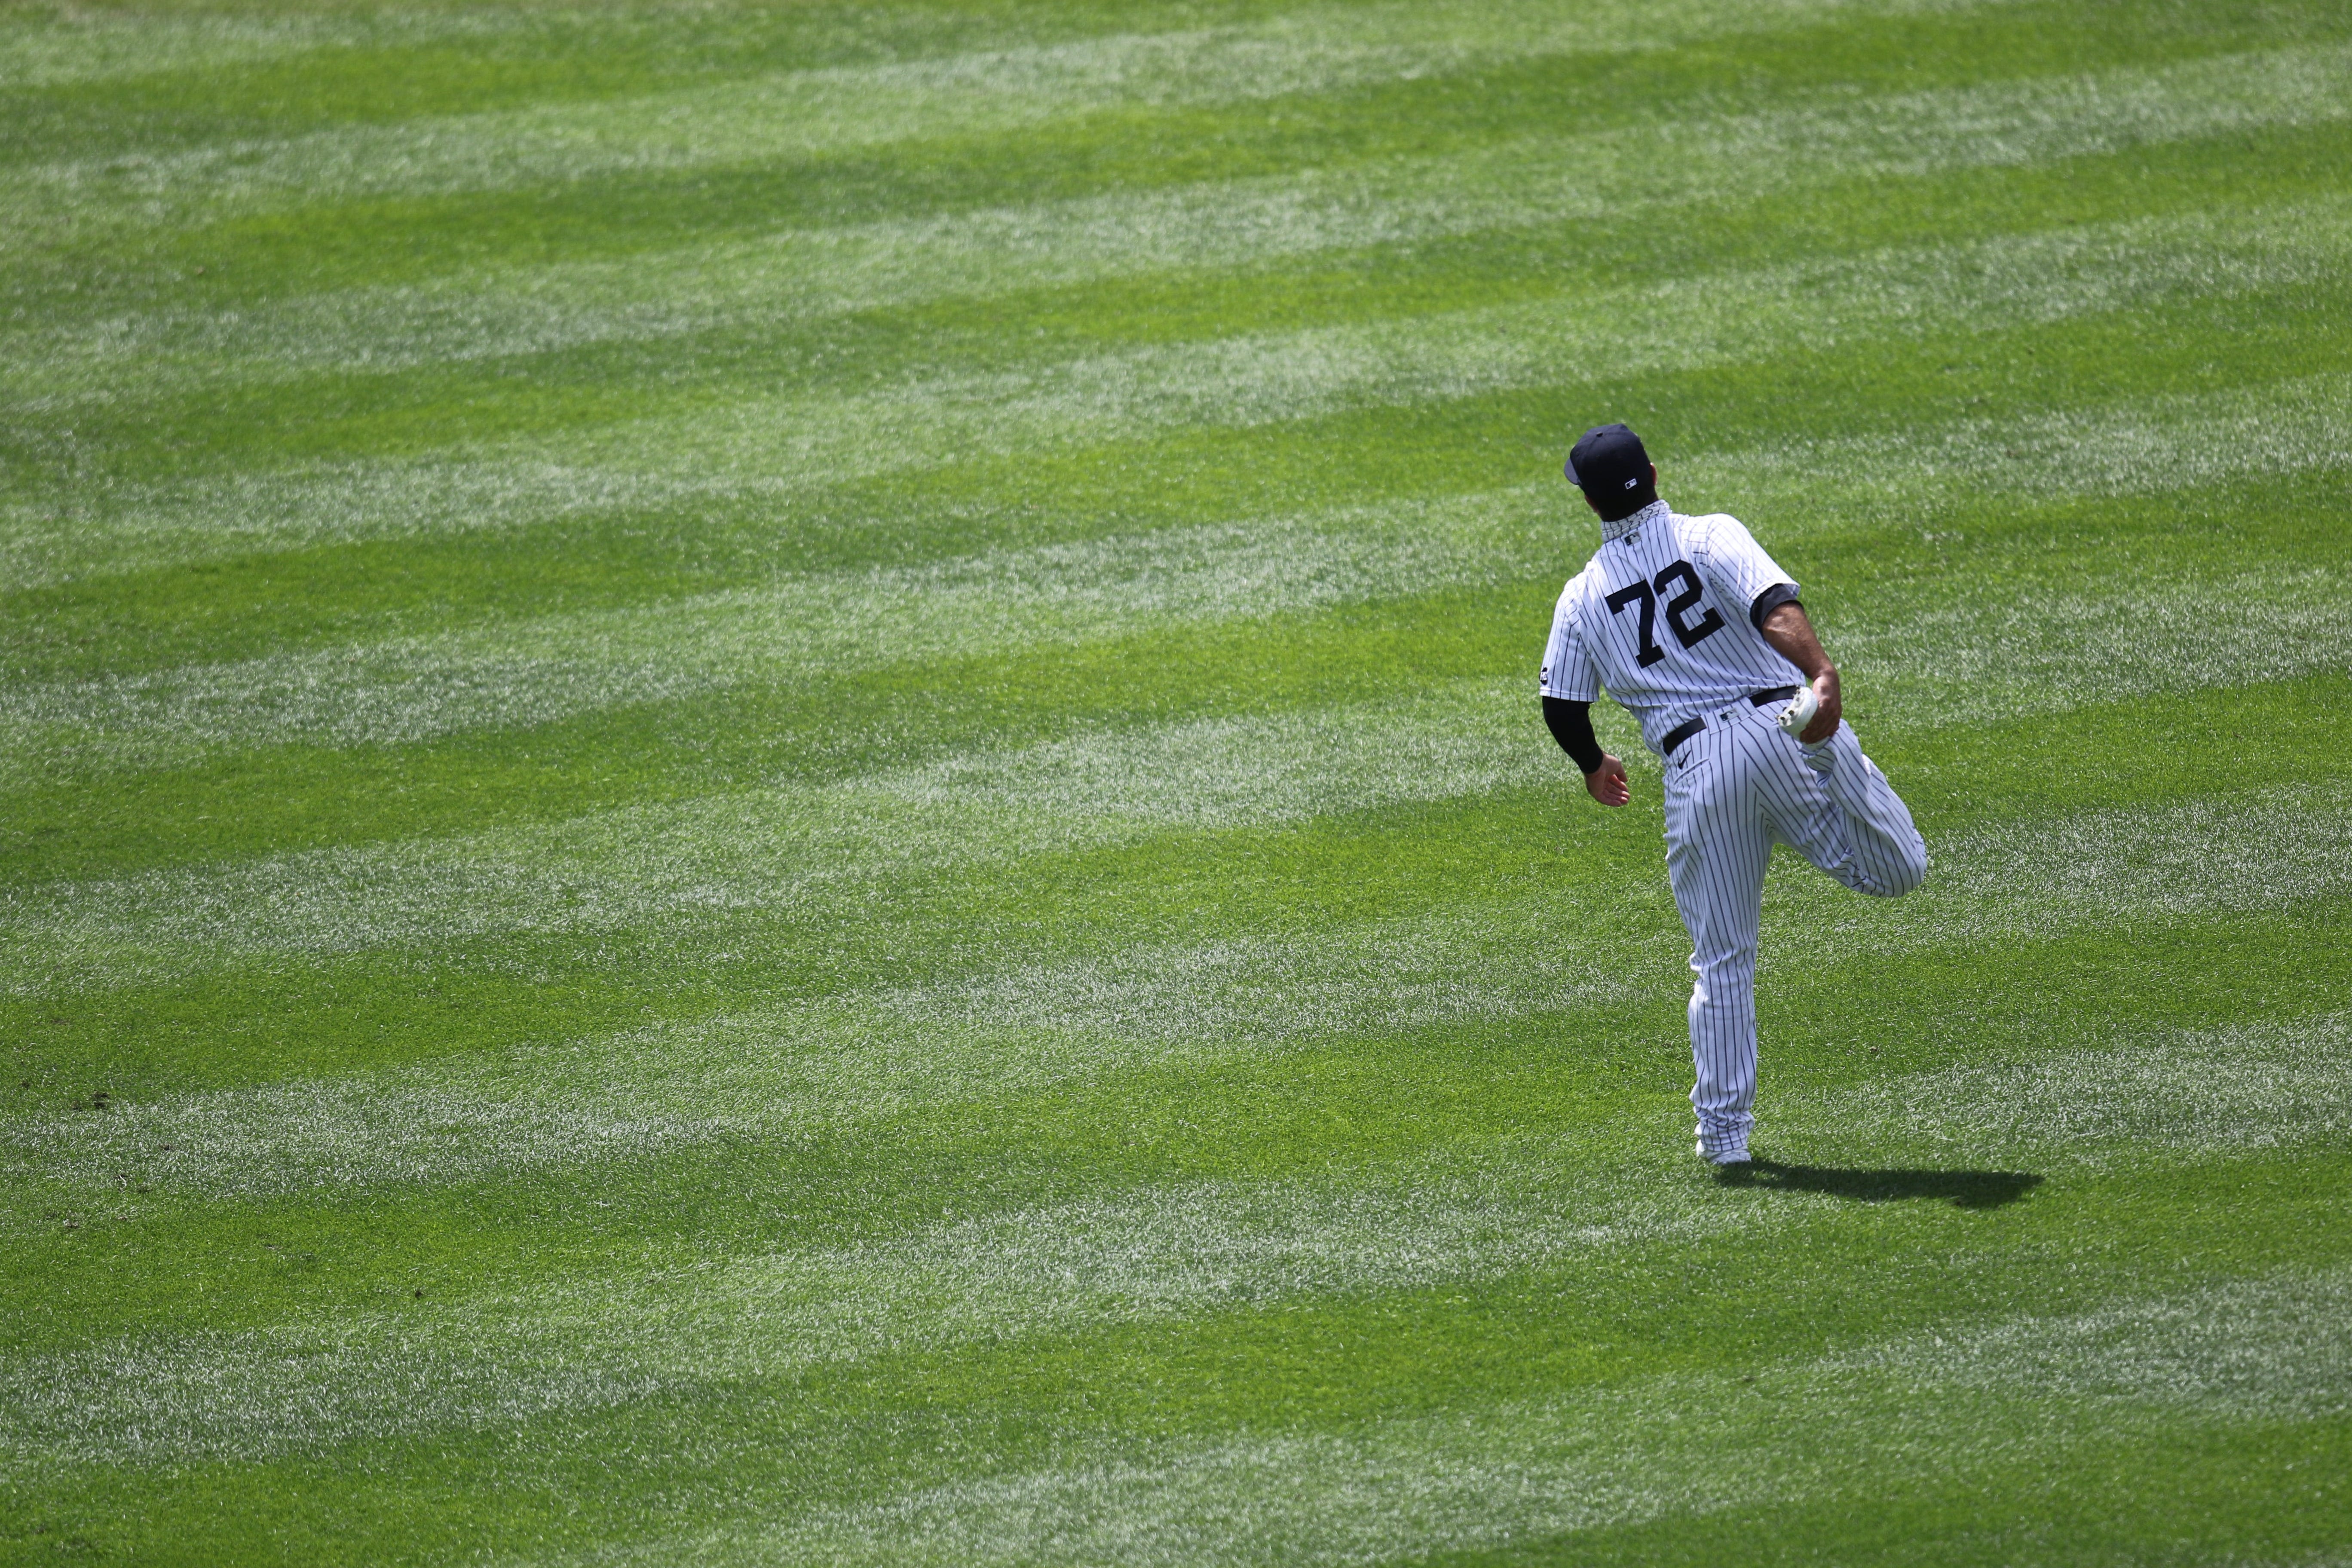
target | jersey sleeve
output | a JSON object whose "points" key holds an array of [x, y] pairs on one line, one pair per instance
{"points": [[1735, 565], [1567, 671]]}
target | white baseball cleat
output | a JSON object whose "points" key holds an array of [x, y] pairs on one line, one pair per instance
{"points": [[1722, 1157], [1800, 710]]}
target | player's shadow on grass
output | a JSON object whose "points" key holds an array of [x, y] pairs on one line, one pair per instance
{"points": [[1963, 1189]]}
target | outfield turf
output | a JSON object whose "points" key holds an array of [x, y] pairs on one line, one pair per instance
{"points": [[771, 790]]}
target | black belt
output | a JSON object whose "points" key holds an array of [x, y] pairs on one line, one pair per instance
{"points": [[1689, 727]]}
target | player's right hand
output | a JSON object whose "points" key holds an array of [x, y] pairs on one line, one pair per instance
{"points": [[1833, 709], [1606, 783]]}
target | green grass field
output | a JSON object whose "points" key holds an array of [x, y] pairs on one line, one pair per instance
{"points": [[771, 790]]}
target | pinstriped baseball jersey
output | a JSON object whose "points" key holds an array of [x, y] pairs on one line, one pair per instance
{"points": [[1660, 617]]}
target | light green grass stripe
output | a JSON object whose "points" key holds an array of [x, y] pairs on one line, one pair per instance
{"points": [[840, 1061], [801, 113], [68, 47], [1740, 317], [799, 850], [1949, 659], [2275, 1348], [1459, 1217], [779, 848], [1058, 595], [2148, 625], [834, 1064], [2121, 448], [591, 1342], [1530, 182], [51, 50], [99, 524], [2255, 1086], [776, 447]]}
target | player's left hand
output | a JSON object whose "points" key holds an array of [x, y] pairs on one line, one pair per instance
{"points": [[1825, 722], [1606, 783]]}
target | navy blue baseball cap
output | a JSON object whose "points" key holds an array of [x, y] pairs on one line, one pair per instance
{"points": [[1607, 461]]}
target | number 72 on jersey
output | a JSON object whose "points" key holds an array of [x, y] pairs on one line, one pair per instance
{"points": [[1648, 595]]}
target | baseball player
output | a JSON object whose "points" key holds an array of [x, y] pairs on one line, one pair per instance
{"points": [[1700, 636]]}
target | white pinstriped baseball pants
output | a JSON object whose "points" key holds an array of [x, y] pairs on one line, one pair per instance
{"points": [[1732, 791]]}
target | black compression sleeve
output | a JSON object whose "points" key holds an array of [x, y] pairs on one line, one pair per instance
{"points": [[1571, 726], [1769, 600]]}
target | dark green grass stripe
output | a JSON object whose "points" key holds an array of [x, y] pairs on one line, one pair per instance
{"points": [[1128, 148], [347, 592], [1606, 1082], [411, 64], [1476, 442], [261, 1020], [2127, 1496], [292, 797], [2184, 1495], [855, 1432], [1889, 387], [1594, 1077], [371, 328], [228, 426], [814, 729]]}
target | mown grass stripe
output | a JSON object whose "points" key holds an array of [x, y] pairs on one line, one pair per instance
{"points": [[1452, 1217], [1019, 599], [850, 1058], [1401, 1489], [490, 993], [1524, 184], [1931, 655], [51, 50], [1733, 317], [1311, 48], [797, 842], [787, 448], [801, 849], [1118, 1257], [216, 70], [804, 1068], [2244, 1087]]}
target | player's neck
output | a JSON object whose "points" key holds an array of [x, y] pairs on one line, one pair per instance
{"points": [[1654, 513]]}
